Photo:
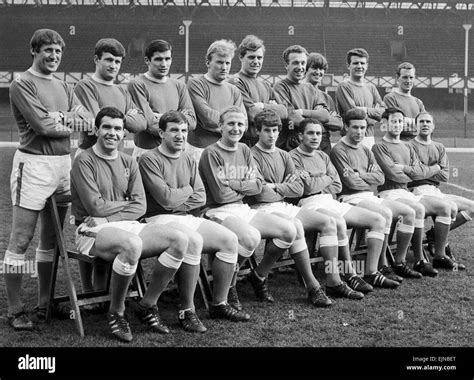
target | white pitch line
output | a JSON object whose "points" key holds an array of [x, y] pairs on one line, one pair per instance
{"points": [[459, 187]]}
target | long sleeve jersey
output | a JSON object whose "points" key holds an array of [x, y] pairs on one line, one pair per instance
{"points": [[209, 99], [95, 95], [299, 96], [322, 175], [172, 184], [275, 166], [106, 188], [32, 98], [410, 105], [334, 124], [389, 153], [431, 154], [256, 90], [357, 168], [350, 95], [228, 174], [150, 95]]}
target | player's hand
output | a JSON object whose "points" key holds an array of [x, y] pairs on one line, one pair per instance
{"points": [[56, 116], [303, 174], [258, 106], [290, 178], [271, 185], [299, 112], [398, 166], [272, 101], [92, 221], [132, 112]]}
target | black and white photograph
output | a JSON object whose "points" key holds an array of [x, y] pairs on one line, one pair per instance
{"points": [[228, 188]]}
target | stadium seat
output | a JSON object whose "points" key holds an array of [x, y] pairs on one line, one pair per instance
{"points": [[76, 299]]}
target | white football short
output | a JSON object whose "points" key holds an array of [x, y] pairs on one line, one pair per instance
{"points": [[356, 198], [430, 190], [189, 221], [34, 178], [325, 201], [239, 210], [85, 236], [284, 208], [399, 194]]}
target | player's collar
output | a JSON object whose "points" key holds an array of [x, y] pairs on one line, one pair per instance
{"points": [[423, 142], [397, 90], [103, 156], [168, 154], [228, 148], [306, 153], [391, 141], [360, 84], [346, 141], [155, 80], [38, 74], [101, 81], [209, 79], [259, 146]]}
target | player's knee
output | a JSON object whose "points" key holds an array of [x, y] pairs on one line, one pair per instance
{"points": [[443, 209], [229, 242], [419, 211], [329, 226], [21, 240], [178, 244], [132, 249], [341, 225], [377, 222], [299, 229], [288, 233], [388, 215], [195, 243], [250, 239], [408, 216]]}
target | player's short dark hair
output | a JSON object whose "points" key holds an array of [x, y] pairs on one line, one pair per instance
{"points": [[111, 112], [421, 114], [221, 47], [109, 45], [404, 66], [268, 118], [316, 61], [227, 110], [157, 46], [171, 117], [390, 111], [357, 52], [250, 43], [306, 122], [354, 114], [45, 37], [293, 49]]}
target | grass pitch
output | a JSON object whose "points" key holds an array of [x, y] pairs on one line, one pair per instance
{"points": [[432, 312]]}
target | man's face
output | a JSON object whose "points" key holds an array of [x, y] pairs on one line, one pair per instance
{"points": [[110, 133], [357, 67], [314, 76], [296, 67], [311, 137], [233, 128], [394, 124], [175, 136], [355, 132], [107, 67], [268, 136], [425, 125], [219, 66], [252, 62], [406, 80], [47, 59], [159, 64]]}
